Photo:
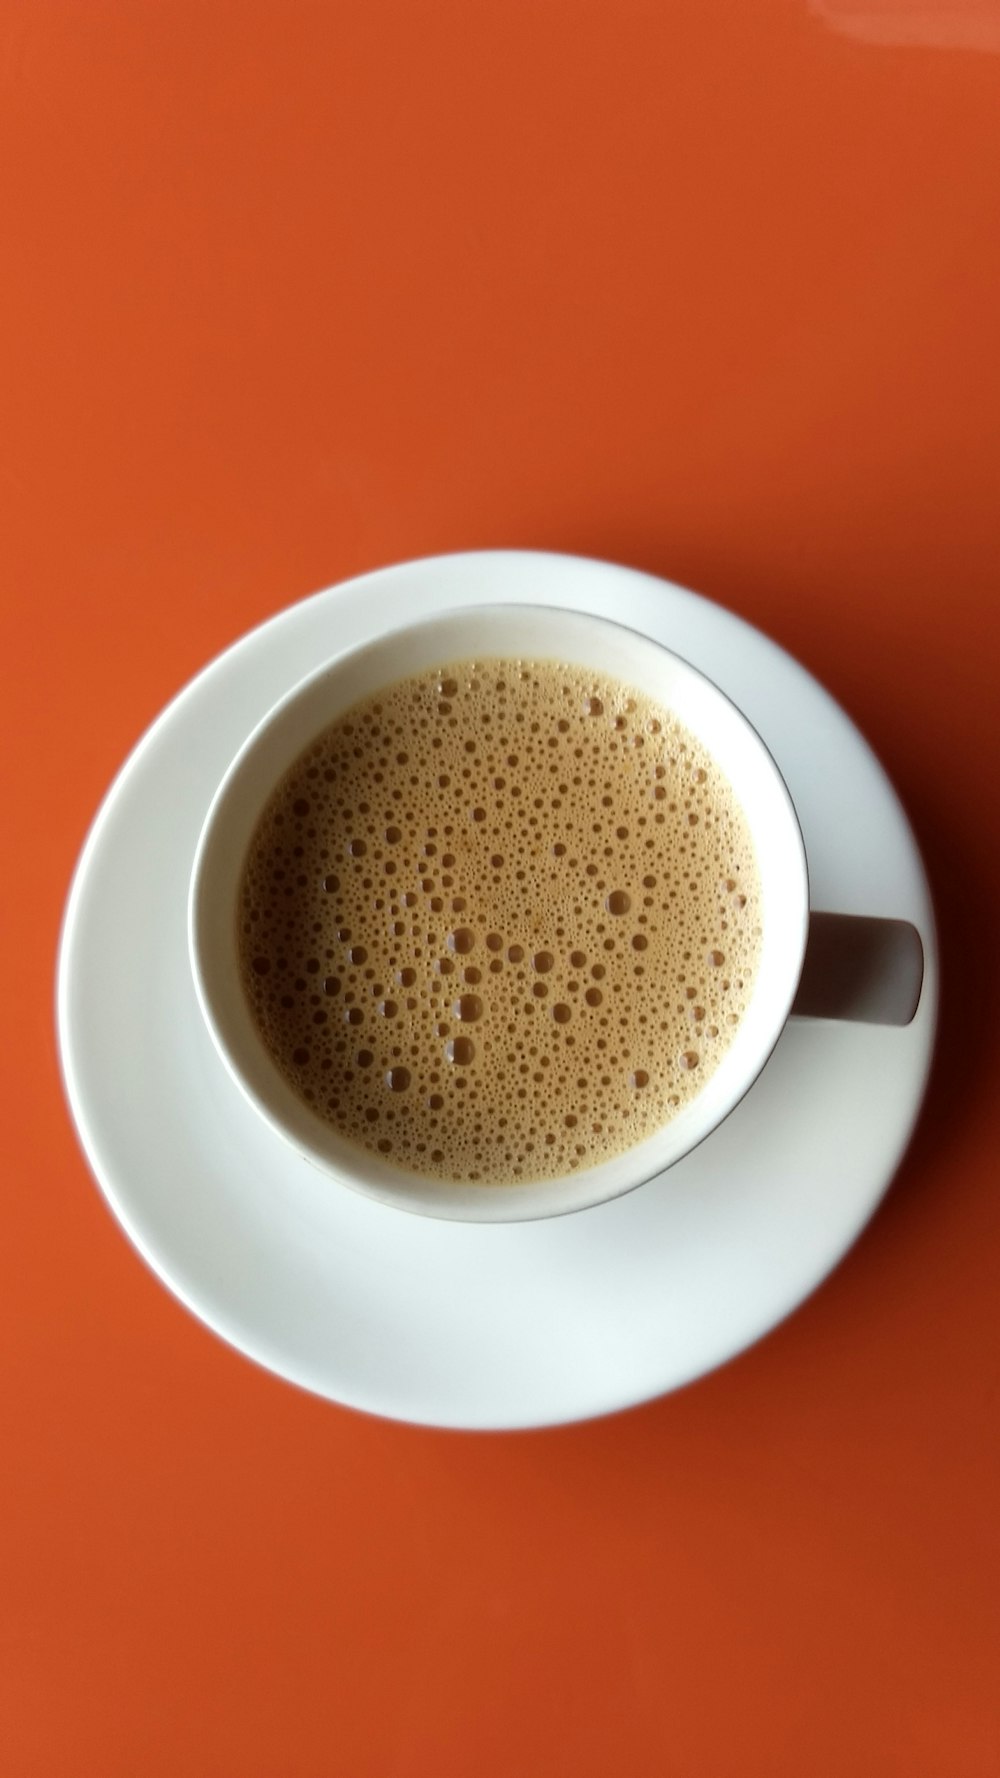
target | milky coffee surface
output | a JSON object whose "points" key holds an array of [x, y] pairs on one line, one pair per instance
{"points": [[500, 921]]}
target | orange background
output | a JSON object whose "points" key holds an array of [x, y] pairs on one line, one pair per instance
{"points": [[294, 290]]}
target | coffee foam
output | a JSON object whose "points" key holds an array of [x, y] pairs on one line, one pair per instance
{"points": [[500, 921]]}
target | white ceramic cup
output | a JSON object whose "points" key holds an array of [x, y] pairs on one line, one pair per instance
{"points": [[508, 632]]}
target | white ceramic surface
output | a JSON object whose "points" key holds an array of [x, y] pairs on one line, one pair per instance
{"points": [[449, 1324], [487, 632]]}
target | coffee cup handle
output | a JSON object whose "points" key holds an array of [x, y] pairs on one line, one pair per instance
{"points": [[865, 970]]}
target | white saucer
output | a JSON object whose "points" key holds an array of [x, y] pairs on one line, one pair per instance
{"points": [[468, 1325]]}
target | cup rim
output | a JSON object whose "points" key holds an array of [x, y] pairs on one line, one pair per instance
{"points": [[391, 1184]]}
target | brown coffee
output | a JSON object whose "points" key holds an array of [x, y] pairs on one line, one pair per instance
{"points": [[500, 921]]}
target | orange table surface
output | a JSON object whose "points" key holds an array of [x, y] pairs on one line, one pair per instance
{"points": [[294, 290]]}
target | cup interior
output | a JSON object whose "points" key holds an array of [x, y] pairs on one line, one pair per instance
{"points": [[508, 632]]}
